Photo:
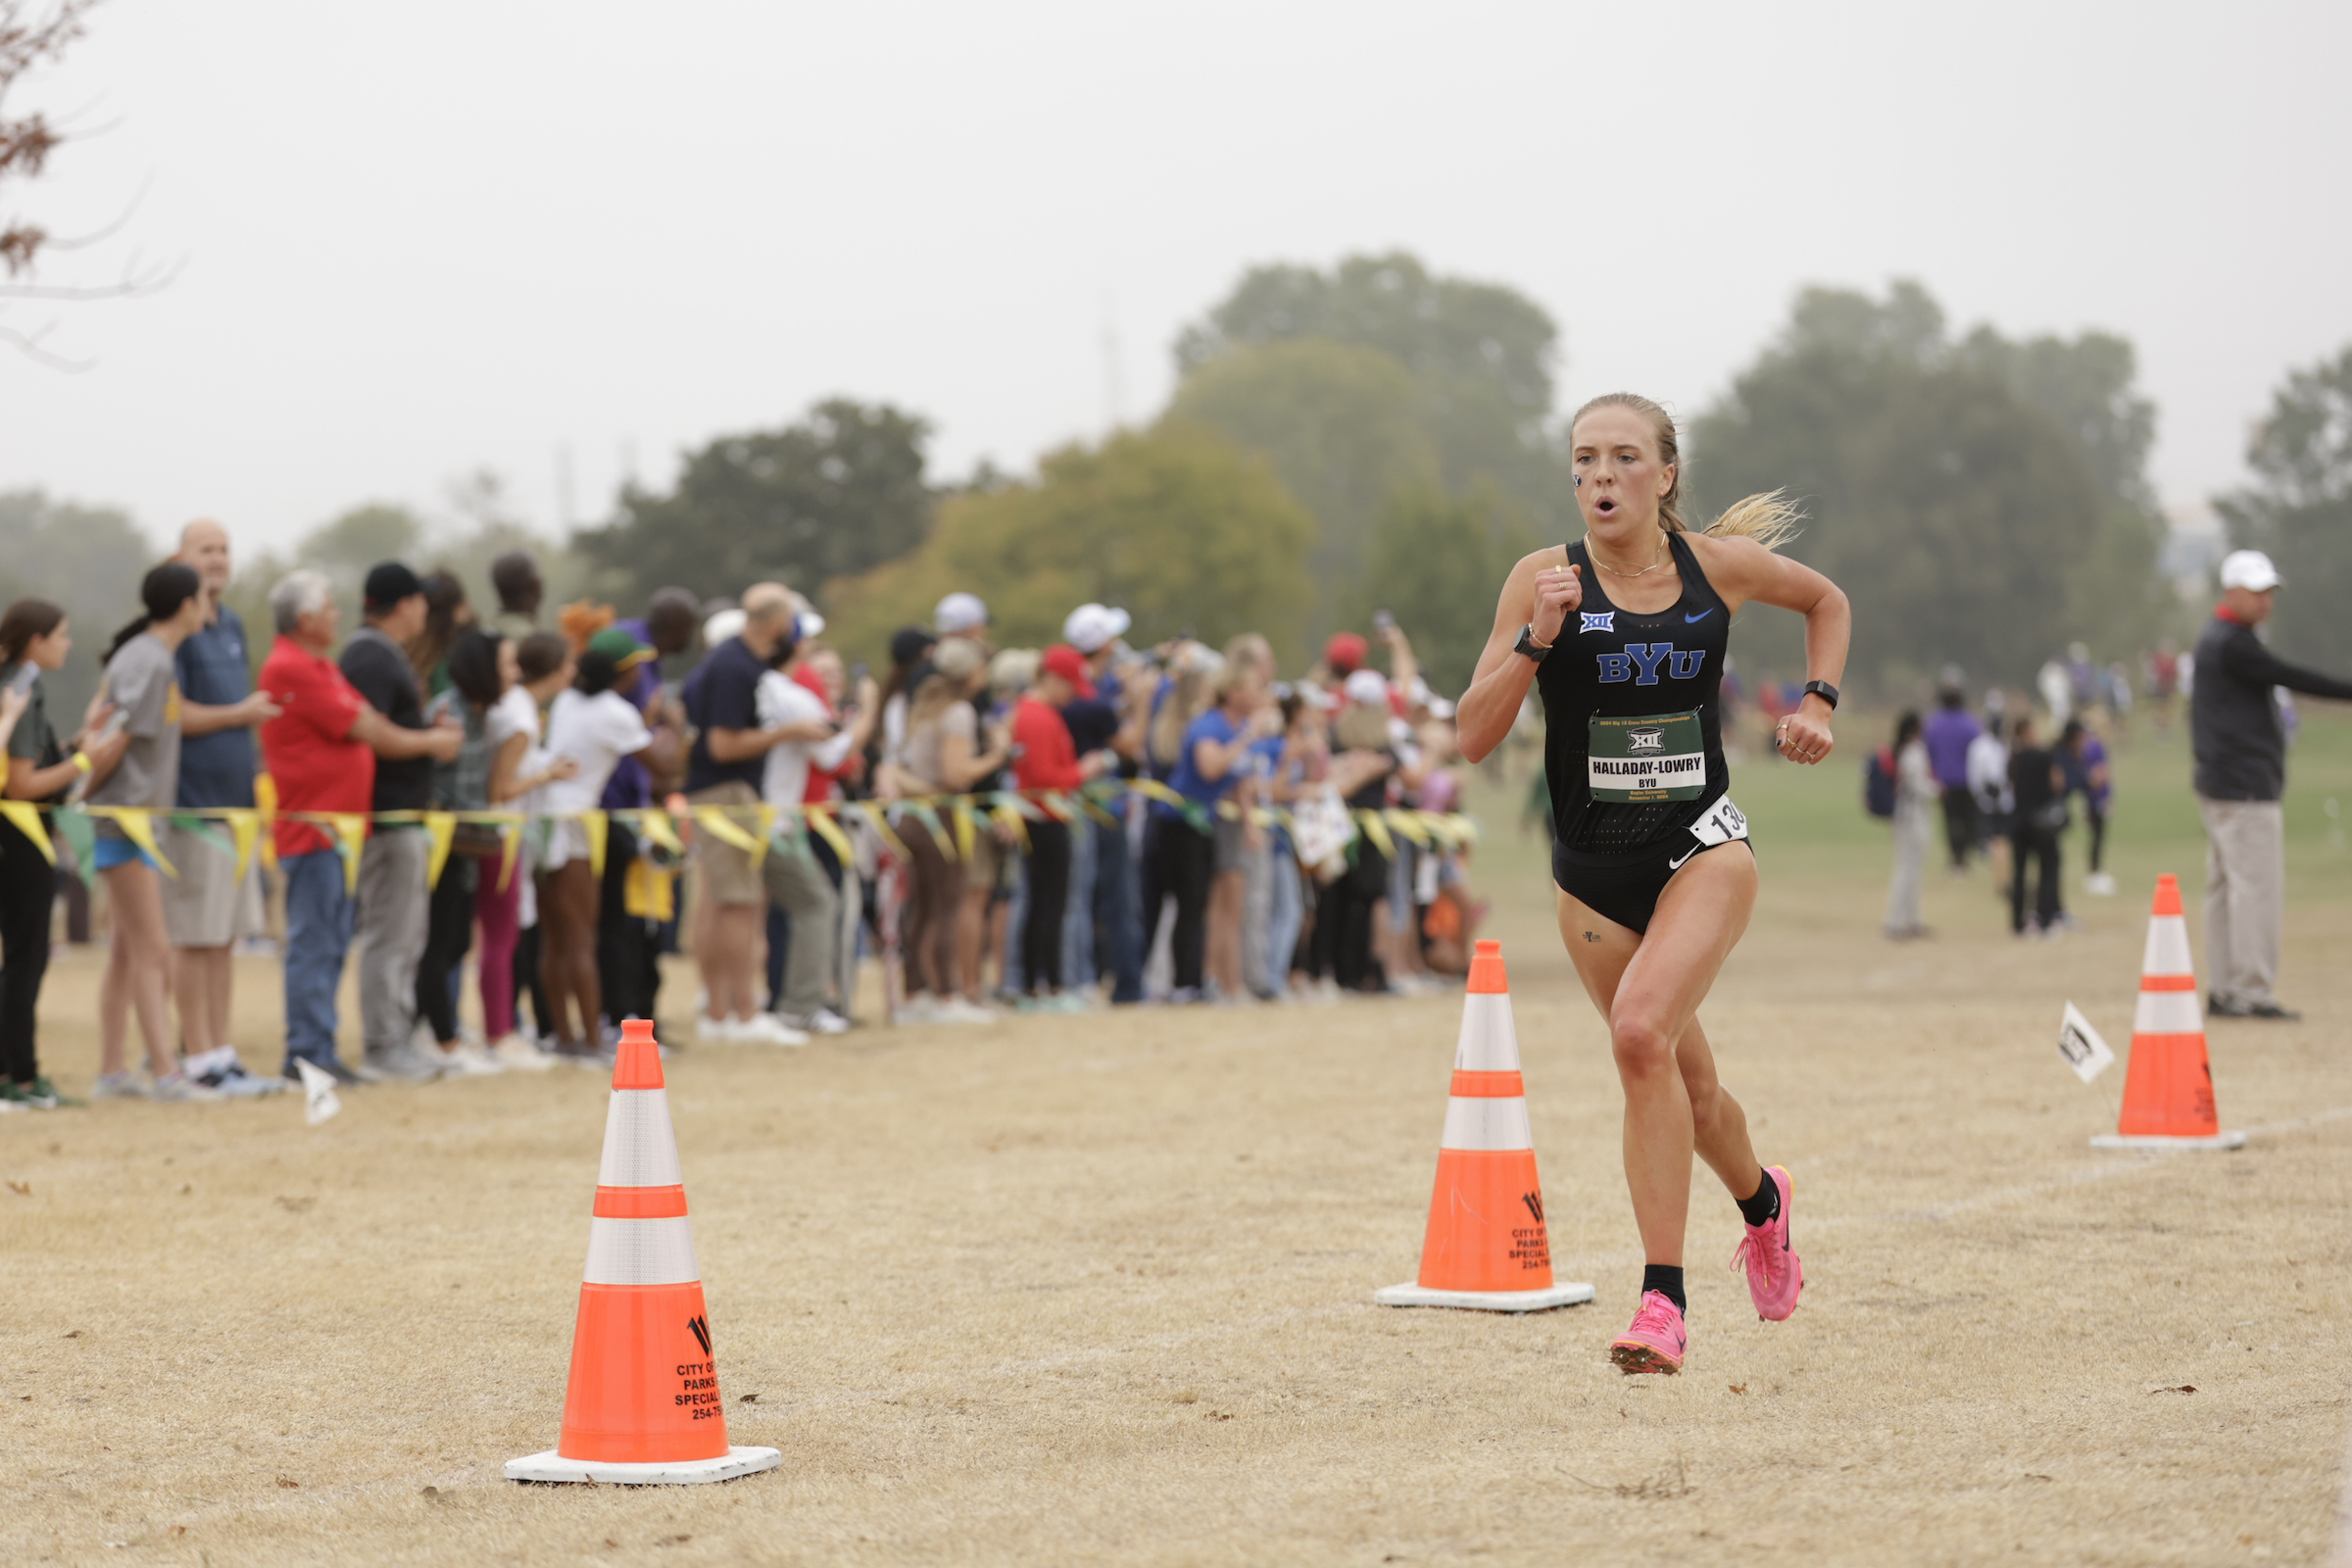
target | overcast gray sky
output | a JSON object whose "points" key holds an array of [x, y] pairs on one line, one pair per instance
{"points": [[429, 237]]}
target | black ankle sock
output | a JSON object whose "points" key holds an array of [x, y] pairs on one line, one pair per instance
{"points": [[1765, 1206], [1667, 1279]]}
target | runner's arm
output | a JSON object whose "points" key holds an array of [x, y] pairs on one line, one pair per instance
{"points": [[1540, 592], [1744, 571]]}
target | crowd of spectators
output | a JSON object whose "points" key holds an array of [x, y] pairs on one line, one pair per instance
{"points": [[1089, 824]]}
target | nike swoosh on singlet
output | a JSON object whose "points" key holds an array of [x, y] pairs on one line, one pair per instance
{"points": [[1701, 616]]}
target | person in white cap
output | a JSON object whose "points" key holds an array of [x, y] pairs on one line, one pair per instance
{"points": [[2240, 749], [1093, 628], [960, 615]]}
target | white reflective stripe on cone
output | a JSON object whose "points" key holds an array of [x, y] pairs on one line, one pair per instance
{"points": [[1488, 1042], [640, 1252], [2168, 1012], [2168, 947], [1486, 1124], [640, 1149]]}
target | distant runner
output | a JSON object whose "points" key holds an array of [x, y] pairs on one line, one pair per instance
{"points": [[1624, 634]]}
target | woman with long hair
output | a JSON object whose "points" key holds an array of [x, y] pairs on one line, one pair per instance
{"points": [[461, 784], [34, 640], [1188, 690], [531, 671], [142, 688], [1624, 634], [447, 618], [592, 726], [944, 753]]}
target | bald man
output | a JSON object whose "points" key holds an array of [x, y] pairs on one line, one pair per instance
{"points": [[219, 713], [725, 768]]}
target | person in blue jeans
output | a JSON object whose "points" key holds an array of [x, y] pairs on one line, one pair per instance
{"points": [[321, 751], [1103, 930]]}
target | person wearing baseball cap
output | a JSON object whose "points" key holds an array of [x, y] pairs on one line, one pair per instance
{"points": [[1091, 627], [1344, 654], [2240, 749], [961, 614], [1046, 760], [1102, 930], [394, 914]]}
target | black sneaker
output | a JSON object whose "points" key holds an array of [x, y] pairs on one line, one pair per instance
{"points": [[2217, 1007], [2269, 1009], [343, 1076]]}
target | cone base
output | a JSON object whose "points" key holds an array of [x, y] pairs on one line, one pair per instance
{"points": [[2160, 1140], [1543, 1300], [553, 1466]]}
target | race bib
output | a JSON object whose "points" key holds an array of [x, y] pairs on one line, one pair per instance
{"points": [[1721, 825], [1661, 757]]}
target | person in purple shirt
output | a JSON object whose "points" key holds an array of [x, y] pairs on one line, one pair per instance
{"points": [[1949, 731], [628, 958]]}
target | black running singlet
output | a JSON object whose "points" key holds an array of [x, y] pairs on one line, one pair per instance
{"points": [[1633, 748]]}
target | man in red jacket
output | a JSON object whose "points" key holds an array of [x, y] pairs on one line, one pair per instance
{"points": [[1044, 758]]}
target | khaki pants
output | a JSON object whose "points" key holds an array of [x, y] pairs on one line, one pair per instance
{"points": [[2245, 896]]}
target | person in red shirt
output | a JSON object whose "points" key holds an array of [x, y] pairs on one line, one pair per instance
{"points": [[1044, 758], [321, 752]]}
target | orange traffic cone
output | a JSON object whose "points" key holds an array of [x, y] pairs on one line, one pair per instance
{"points": [[643, 1405], [1486, 1245], [2168, 1086]]}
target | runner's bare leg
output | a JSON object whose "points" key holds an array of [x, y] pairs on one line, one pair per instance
{"points": [[1650, 988]]}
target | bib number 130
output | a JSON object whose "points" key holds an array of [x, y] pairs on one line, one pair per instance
{"points": [[1721, 825]]}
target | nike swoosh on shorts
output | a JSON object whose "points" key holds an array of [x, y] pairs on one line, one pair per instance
{"points": [[1676, 865], [1701, 616]]}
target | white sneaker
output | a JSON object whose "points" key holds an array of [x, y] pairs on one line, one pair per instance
{"points": [[222, 1070], [956, 1010], [118, 1086], [178, 1084], [823, 1021], [711, 1031], [2100, 885], [518, 1054], [462, 1060], [766, 1029], [916, 1009]]}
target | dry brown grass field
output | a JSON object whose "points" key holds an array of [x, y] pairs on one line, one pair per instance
{"points": [[1100, 1288]]}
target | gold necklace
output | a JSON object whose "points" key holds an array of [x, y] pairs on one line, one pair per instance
{"points": [[1628, 577]]}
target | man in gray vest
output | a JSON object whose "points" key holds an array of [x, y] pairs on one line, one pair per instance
{"points": [[2241, 770]]}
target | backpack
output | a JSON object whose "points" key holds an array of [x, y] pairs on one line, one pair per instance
{"points": [[1877, 783]]}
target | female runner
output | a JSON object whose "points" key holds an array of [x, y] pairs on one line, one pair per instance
{"points": [[1624, 634]]}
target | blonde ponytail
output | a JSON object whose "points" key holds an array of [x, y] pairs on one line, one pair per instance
{"points": [[1768, 519]]}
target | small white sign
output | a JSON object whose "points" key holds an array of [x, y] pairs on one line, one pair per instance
{"points": [[319, 1093], [2080, 1044]]}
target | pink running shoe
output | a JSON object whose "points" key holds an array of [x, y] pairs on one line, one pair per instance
{"points": [[1774, 1275], [1655, 1341]]}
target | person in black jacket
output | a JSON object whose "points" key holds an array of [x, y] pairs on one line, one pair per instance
{"points": [[2241, 770], [2039, 785]]}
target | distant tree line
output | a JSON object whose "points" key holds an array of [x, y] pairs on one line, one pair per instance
{"points": [[2299, 509], [1375, 435]]}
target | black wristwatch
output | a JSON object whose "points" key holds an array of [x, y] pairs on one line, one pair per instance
{"points": [[1536, 651], [1823, 690]]}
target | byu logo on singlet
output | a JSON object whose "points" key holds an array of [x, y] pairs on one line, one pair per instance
{"points": [[1646, 740], [1597, 620], [1650, 657]]}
